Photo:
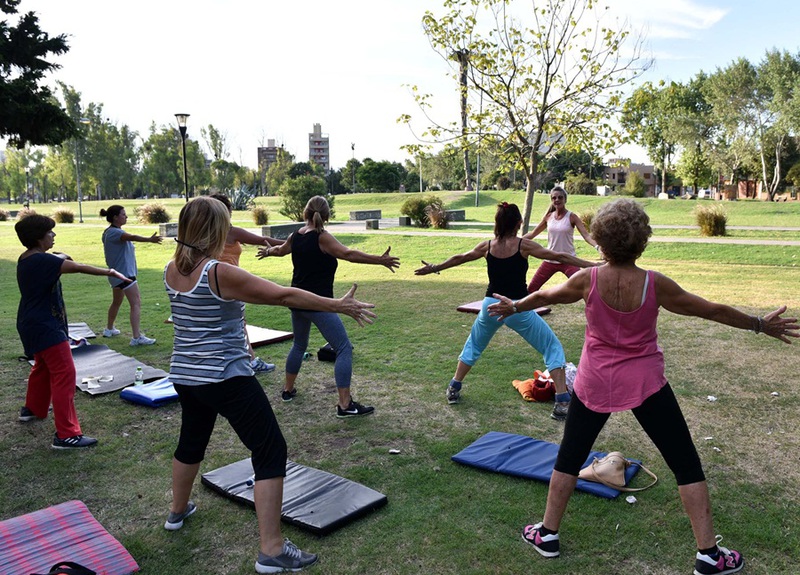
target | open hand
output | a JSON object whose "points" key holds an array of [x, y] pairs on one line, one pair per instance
{"points": [[501, 309], [390, 261], [155, 238], [426, 269], [359, 311], [778, 327]]}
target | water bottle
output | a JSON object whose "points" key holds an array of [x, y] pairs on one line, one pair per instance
{"points": [[138, 379]]}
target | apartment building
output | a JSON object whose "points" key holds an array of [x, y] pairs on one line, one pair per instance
{"points": [[319, 148]]}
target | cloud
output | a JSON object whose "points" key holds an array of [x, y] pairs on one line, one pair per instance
{"points": [[668, 19]]}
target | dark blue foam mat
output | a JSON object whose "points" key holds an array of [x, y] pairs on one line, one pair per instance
{"points": [[313, 500], [153, 394], [530, 458]]}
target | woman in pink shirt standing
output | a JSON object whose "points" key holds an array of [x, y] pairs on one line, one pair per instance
{"points": [[622, 367], [561, 225]]}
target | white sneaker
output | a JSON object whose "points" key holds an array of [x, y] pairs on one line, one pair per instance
{"points": [[142, 340], [111, 332]]}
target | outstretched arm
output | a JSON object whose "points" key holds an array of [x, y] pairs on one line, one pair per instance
{"points": [[331, 246], [538, 229], [475, 253], [154, 239], [674, 298], [244, 237], [236, 283], [572, 290], [71, 267], [530, 248], [276, 250]]}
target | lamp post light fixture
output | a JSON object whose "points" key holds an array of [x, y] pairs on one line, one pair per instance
{"points": [[181, 118], [353, 166], [78, 173], [27, 203]]}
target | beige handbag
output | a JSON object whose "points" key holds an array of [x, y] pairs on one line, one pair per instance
{"points": [[610, 471]]}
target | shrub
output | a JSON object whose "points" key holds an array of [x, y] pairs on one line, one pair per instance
{"points": [[634, 185], [581, 185], [502, 183], [5, 215], [63, 215], [243, 198], [711, 219], [154, 213], [587, 217], [417, 209], [295, 193], [260, 215], [25, 212], [436, 215]]}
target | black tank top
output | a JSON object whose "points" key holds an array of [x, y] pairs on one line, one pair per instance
{"points": [[507, 275], [314, 270]]}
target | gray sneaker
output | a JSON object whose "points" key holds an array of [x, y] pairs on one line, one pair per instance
{"points": [[290, 559], [560, 411], [142, 340], [175, 520], [453, 394]]}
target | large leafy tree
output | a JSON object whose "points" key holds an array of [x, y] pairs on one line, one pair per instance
{"points": [[551, 83], [29, 113]]}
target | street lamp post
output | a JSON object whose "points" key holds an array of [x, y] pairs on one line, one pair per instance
{"points": [[353, 166], [27, 203], [182, 127]]}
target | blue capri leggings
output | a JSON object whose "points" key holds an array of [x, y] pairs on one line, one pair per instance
{"points": [[528, 324], [332, 329]]}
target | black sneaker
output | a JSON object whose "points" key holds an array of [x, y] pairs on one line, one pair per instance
{"points": [[288, 395], [355, 409], [175, 520], [453, 394], [74, 442], [290, 559], [546, 545], [26, 415], [726, 561]]}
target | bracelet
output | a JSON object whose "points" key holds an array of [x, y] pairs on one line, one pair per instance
{"points": [[434, 269], [758, 323], [514, 306], [597, 247]]}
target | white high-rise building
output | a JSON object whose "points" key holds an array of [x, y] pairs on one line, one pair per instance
{"points": [[319, 148]]}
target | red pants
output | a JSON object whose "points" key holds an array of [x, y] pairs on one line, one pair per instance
{"points": [[547, 270], [53, 377]]}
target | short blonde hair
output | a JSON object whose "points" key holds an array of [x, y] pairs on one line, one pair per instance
{"points": [[317, 211], [203, 226], [622, 229]]}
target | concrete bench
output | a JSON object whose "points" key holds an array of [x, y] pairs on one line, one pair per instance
{"points": [[404, 221], [365, 215], [373, 224], [281, 231], [456, 215], [168, 230]]}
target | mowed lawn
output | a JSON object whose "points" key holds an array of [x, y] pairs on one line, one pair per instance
{"points": [[441, 517]]}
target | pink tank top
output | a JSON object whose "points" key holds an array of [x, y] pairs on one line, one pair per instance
{"points": [[621, 363], [559, 234]]}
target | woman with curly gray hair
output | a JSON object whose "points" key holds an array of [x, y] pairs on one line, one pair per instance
{"points": [[622, 367]]}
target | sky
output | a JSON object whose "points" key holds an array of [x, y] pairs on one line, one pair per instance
{"points": [[271, 70]]}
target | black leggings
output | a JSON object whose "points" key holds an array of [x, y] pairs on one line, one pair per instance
{"points": [[661, 418], [241, 401]]}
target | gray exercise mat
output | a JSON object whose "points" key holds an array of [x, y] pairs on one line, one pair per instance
{"points": [[108, 370], [79, 331]]}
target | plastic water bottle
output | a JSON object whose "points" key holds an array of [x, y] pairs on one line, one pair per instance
{"points": [[138, 379]]}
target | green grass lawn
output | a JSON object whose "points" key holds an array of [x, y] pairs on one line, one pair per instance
{"points": [[441, 517]]}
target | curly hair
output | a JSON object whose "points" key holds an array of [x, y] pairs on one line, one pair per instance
{"points": [[506, 219], [622, 229]]}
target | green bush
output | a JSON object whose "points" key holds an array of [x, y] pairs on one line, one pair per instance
{"points": [[243, 198], [417, 209], [634, 185], [5, 215], [581, 185], [711, 219], [260, 215], [63, 215], [154, 213], [502, 183], [295, 193]]}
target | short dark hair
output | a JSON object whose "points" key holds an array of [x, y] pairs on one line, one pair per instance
{"points": [[222, 198], [33, 228], [506, 219], [622, 229]]}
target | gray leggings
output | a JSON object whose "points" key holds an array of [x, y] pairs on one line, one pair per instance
{"points": [[662, 420]]}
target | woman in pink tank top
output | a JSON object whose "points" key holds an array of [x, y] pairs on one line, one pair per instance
{"points": [[622, 367], [560, 224]]}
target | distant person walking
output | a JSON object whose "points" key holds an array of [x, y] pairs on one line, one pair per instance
{"points": [[560, 224], [315, 254], [121, 255], [42, 326], [622, 367], [506, 264]]}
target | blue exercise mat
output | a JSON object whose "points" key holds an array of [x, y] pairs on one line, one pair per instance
{"points": [[153, 394], [523, 456]]}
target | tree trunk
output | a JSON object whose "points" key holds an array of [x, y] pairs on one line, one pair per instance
{"points": [[463, 68]]}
